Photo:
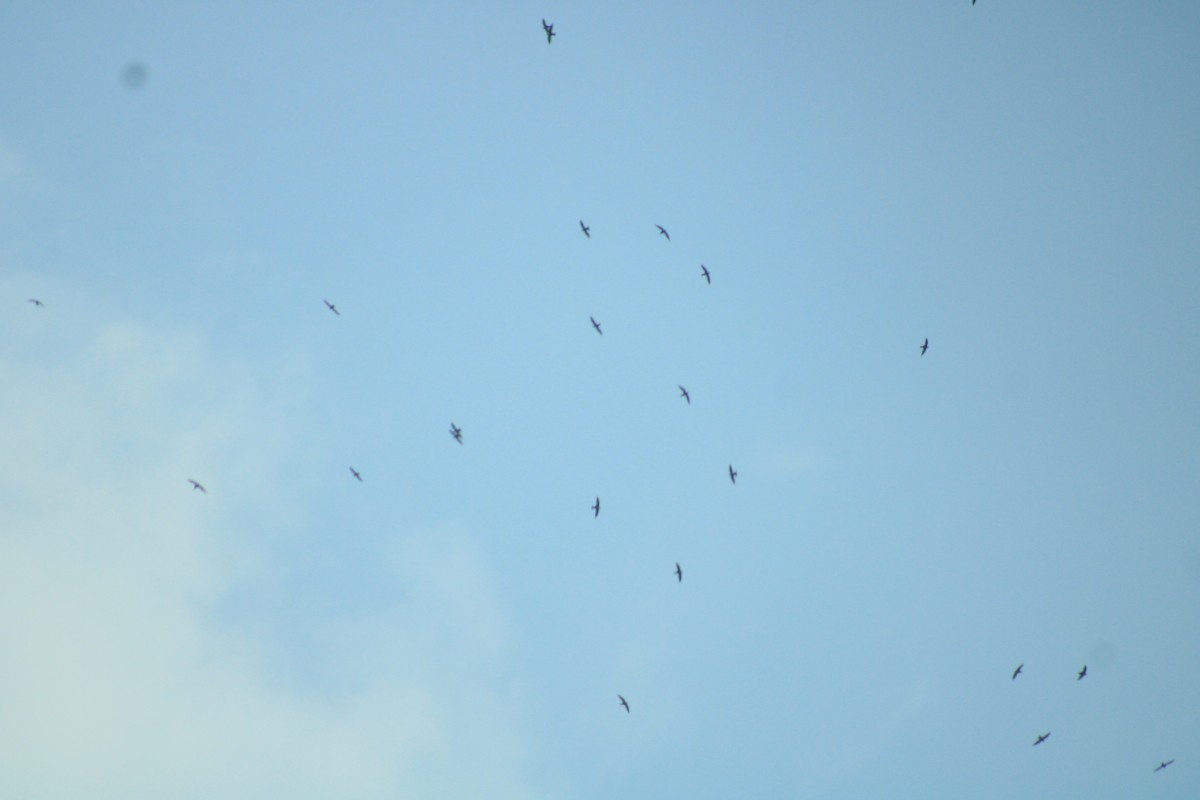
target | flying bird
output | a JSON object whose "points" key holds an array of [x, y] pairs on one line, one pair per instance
{"points": [[622, 699], [684, 394], [332, 307], [1082, 672], [197, 485], [586, 230], [678, 572], [1042, 738], [596, 508], [1164, 765], [37, 302], [354, 472], [924, 346], [1017, 671], [663, 231], [596, 325], [732, 474], [456, 432], [704, 272], [550, 34]]}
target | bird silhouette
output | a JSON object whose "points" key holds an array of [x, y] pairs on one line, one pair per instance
{"points": [[1164, 765], [924, 346], [332, 307], [550, 34], [1082, 673], [684, 394], [456, 432], [586, 230], [704, 272], [596, 508], [678, 572], [197, 485], [1042, 738], [732, 474], [37, 302], [354, 472], [663, 231], [1017, 671], [622, 699], [596, 325]]}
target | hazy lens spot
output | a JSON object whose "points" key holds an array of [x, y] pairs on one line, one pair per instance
{"points": [[134, 75]]}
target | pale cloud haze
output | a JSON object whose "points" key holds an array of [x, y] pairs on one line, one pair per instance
{"points": [[123, 647]]}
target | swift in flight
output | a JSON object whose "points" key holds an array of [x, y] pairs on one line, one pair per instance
{"points": [[622, 699], [684, 394], [663, 231], [732, 474], [550, 34], [678, 572], [586, 230], [596, 325], [1017, 671], [1082, 673], [37, 302], [456, 432], [1042, 738], [197, 485], [1164, 765], [924, 346], [596, 508], [354, 472], [332, 307], [704, 272]]}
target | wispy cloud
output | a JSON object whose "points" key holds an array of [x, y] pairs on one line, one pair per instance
{"points": [[120, 680]]}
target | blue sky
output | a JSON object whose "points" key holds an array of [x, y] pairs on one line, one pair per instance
{"points": [[1016, 181]]}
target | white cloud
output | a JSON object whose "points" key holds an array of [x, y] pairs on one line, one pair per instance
{"points": [[117, 679]]}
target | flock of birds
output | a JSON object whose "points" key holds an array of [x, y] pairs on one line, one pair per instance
{"points": [[1078, 677], [457, 434], [456, 431], [548, 28]]}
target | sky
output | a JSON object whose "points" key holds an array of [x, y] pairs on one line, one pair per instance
{"points": [[183, 185]]}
